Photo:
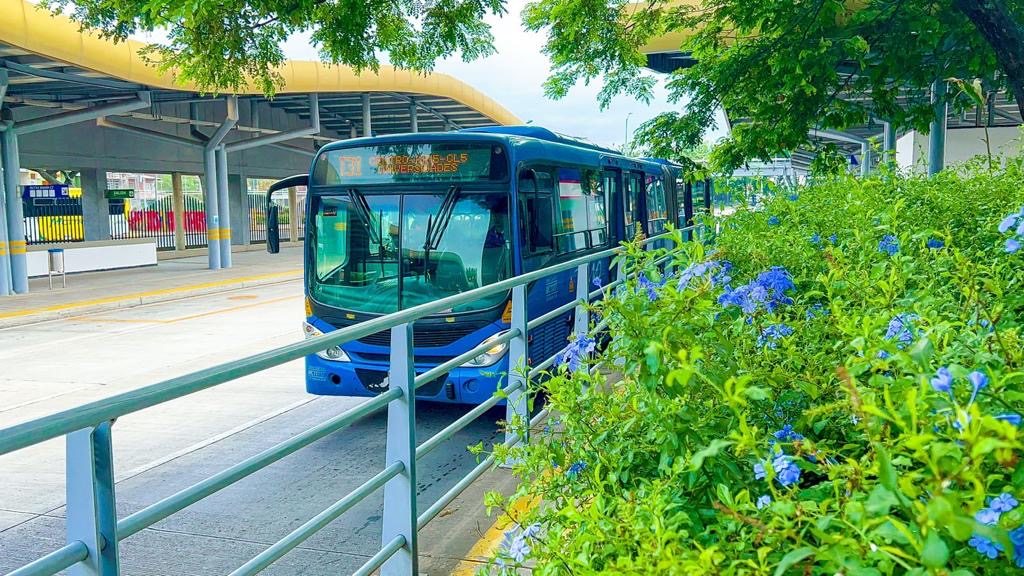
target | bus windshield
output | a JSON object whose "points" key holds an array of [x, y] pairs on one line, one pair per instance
{"points": [[379, 253]]}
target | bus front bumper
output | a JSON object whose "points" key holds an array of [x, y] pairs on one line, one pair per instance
{"points": [[464, 385]]}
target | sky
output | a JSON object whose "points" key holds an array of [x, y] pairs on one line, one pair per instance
{"points": [[514, 75]]}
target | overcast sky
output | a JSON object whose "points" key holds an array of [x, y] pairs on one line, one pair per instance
{"points": [[514, 76]]}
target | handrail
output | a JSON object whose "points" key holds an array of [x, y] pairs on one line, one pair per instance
{"points": [[94, 530]]}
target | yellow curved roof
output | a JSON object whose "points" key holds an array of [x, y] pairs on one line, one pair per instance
{"points": [[30, 28]]}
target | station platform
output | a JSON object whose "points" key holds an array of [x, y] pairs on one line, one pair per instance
{"points": [[169, 280]]}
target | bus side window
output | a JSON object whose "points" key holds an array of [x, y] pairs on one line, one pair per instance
{"points": [[656, 206], [536, 225]]}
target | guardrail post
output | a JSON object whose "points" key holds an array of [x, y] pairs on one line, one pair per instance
{"points": [[582, 324], [516, 406], [92, 517], [400, 513]]}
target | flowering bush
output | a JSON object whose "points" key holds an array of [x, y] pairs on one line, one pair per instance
{"points": [[833, 386]]}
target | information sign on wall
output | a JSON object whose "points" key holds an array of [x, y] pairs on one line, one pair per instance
{"points": [[45, 191], [120, 193]]}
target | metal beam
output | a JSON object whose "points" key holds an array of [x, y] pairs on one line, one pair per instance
{"points": [[213, 204], [837, 136], [104, 122], [91, 113], [73, 78], [429, 109], [313, 130]]}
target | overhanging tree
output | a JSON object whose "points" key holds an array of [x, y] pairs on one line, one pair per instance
{"points": [[225, 44], [784, 66]]}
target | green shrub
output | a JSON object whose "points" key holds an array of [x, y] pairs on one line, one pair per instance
{"points": [[833, 386]]}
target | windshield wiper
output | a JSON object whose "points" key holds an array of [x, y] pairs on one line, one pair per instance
{"points": [[362, 209], [436, 227]]}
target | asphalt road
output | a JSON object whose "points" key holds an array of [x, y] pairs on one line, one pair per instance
{"points": [[57, 365]]}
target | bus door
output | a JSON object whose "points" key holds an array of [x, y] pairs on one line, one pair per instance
{"points": [[611, 182], [633, 209], [656, 209]]}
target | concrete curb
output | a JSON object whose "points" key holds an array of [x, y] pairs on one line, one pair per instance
{"points": [[70, 310]]}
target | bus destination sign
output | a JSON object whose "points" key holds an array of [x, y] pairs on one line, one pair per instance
{"points": [[410, 163]]}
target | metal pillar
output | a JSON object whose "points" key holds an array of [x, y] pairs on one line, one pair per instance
{"points": [[178, 200], [367, 127], [5, 260], [212, 215], [293, 215], [516, 406], [91, 512], [353, 131], [865, 160], [414, 121], [937, 134], [95, 206], [889, 142], [400, 513], [223, 207], [582, 319], [15, 212]]}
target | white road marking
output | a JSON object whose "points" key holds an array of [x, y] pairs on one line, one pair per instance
{"points": [[212, 440], [51, 397]]}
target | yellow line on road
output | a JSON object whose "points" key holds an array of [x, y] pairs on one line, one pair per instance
{"points": [[488, 544], [182, 318], [149, 294]]}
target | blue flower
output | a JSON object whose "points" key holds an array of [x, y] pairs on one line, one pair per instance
{"points": [[1012, 245], [936, 244], [1012, 418], [985, 546], [519, 549], [773, 221], [787, 434], [531, 531], [770, 336], [793, 197], [901, 328], [577, 351], [597, 282], [833, 239], [763, 501], [1003, 503], [816, 239], [575, 469], [816, 310], [786, 471], [943, 380], [987, 516], [1017, 537], [889, 245], [651, 287], [1009, 222], [978, 381], [759, 471], [694, 271], [722, 278]]}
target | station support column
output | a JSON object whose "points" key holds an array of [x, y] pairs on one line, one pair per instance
{"points": [[5, 260], [367, 126], [178, 201], [224, 207], [293, 215], [95, 206], [937, 135], [212, 216], [241, 215], [413, 119], [15, 213]]}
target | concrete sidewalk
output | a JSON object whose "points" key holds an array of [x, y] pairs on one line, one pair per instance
{"points": [[169, 280]]}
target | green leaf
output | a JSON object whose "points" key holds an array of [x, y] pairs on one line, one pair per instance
{"points": [[792, 558], [710, 451], [935, 553], [880, 501]]}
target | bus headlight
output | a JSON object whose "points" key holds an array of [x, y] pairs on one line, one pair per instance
{"points": [[492, 354], [334, 353]]}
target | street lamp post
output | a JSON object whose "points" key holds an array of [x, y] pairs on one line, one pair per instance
{"points": [[625, 140]]}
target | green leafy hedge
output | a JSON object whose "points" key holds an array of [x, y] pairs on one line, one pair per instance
{"points": [[833, 386]]}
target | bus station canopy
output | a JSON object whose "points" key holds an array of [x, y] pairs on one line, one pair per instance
{"points": [[50, 63]]}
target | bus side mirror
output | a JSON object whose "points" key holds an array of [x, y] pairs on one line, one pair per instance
{"points": [[273, 230]]}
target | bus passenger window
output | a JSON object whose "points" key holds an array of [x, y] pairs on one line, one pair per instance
{"points": [[657, 209], [536, 226]]}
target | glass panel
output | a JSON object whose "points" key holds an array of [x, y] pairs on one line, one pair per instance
{"points": [[358, 253], [355, 265]]}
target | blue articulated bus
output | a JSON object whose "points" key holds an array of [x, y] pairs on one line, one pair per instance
{"points": [[397, 221]]}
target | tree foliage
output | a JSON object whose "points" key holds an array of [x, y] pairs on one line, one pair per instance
{"points": [[226, 44], [782, 66]]}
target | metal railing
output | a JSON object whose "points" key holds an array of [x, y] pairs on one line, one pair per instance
{"points": [[93, 530]]}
